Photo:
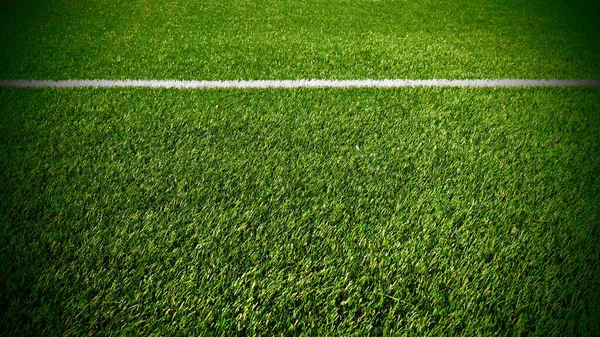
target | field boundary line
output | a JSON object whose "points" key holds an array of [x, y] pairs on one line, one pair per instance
{"points": [[299, 83]]}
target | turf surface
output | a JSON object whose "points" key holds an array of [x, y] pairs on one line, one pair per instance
{"points": [[288, 39], [286, 212], [415, 211]]}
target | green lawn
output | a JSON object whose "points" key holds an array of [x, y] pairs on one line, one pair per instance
{"points": [[416, 211], [422, 211], [288, 39]]}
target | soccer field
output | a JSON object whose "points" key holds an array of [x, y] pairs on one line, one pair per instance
{"points": [[420, 211]]}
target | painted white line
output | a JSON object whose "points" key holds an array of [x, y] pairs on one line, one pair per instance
{"points": [[300, 83]]}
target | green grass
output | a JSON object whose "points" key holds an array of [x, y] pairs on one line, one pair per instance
{"points": [[424, 212], [288, 39], [346, 212]]}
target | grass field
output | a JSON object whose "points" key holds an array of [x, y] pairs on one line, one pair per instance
{"points": [[414, 211]]}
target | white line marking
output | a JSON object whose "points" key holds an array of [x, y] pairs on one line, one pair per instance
{"points": [[300, 83]]}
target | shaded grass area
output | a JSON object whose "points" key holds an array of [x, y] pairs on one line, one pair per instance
{"points": [[275, 39], [414, 211]]}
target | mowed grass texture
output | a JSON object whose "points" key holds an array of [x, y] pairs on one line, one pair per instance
{"points": [[289, 39], [344, 212]]}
